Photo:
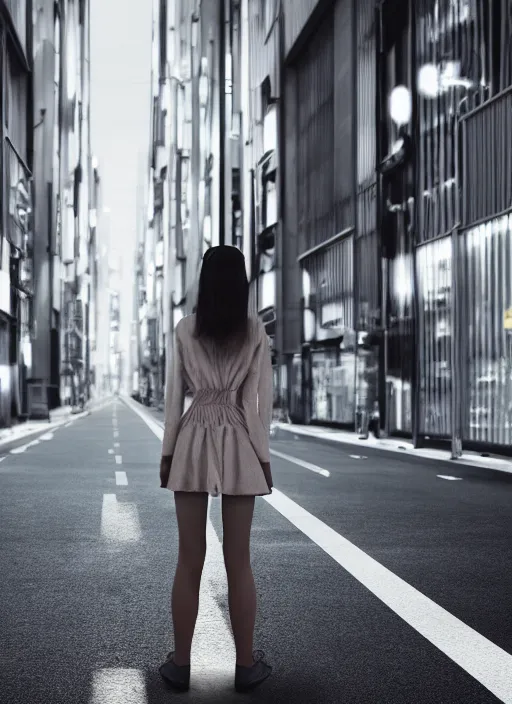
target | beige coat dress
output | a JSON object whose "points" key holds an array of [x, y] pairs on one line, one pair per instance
{"points": [[218, 444]]}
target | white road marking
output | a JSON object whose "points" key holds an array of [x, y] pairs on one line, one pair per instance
{"points": [[358, 457], [118, 685], [121, 479], [302, 463], [19, 450], [451, 479], [152, 424], [119, 459], [111, 451], [481, 658], [116, 433], [3, 458], [212, 635], [119, 521], [117, 444], [69, 424]]}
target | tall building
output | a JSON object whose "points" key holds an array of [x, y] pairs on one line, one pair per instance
{"points": [[445, 87], [189, 203], [16, 243], [65, 185], [48, 241], [357, 152]]}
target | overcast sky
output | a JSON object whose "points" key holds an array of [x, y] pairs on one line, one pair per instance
{"points": [[120, 116]]}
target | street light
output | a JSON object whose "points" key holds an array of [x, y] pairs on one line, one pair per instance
{"points": [[400, 105]]}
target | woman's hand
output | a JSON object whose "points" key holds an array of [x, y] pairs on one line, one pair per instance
{"points": [[268, 474], [165, 470]]}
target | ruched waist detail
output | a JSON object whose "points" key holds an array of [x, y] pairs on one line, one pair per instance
{"points": [[215, 407]]}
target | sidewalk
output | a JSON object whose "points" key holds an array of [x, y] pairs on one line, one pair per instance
{"points": [[343, 437], [58, 417], [332, 435]]}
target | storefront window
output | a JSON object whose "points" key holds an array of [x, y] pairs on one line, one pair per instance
{"points": [[19, 201], [488, 303], [333, 387]]}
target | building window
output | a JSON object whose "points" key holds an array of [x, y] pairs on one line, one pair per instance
{"points": [[19, 201], [315, 140], [18, 12], [16, 105], [268, 14]]}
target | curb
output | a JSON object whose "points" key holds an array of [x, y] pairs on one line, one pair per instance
{"points": [[404, 450]]}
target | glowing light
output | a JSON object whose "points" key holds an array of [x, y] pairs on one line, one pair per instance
{"points": [[400, 105], [428, 81]]}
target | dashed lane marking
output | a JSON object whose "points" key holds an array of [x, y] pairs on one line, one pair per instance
{"points": [[302, 463], [110, 451], [119, 685], [212, 635], [119, 459], [117, 444], [449, 478], [119, 521], [121, 479]]}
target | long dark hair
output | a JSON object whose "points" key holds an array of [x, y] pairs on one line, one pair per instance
{"points": [[223, 296]]}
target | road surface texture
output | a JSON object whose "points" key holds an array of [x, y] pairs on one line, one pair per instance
{"points": [[379, 581]]}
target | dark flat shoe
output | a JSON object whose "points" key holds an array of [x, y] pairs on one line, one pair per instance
{"points": [[178, 676], [247, 678]]}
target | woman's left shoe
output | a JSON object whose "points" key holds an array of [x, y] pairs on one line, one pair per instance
{"points": [[178, 676]]}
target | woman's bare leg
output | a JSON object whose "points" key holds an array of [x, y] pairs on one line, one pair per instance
{"points": [[237, 513], [191, 511]]}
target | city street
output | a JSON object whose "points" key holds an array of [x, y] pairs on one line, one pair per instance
{"points": [[379, 581]]}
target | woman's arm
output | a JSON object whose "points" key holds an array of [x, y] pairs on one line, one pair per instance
{"points": [[265, 399], [265, 382], [174, 395]]}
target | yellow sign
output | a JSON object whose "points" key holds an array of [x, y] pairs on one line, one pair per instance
{"points": [[507, 319]]}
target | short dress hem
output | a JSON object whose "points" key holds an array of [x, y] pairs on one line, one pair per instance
{"points": [[213, 494], [219, 443]]}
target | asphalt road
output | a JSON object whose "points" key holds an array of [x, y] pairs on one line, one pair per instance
{"points": [[378, 581]]}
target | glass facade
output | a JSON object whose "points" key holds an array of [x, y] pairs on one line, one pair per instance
{"points": [[405, 245], [434, 266], [487, 314]]}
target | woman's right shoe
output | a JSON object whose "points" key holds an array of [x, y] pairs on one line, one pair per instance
{"points": [[247, 678], [177, 676]]}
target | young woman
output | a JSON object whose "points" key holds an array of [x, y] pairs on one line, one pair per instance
{"points": [[220, 446]]}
